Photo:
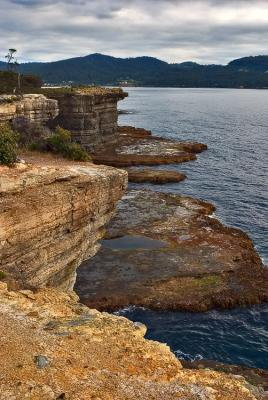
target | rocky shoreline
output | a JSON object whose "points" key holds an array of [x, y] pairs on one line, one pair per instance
{"points": [[136, 146], [159, 177], [54, 348], [199, 264], [160, 251]]}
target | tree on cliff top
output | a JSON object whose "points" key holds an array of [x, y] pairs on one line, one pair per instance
{"points": [[12, 64]]}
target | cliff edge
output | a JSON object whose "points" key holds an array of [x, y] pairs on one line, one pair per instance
{"points": [[55, 348], [52, 216]]}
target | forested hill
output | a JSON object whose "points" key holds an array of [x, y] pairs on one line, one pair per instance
{"points": [[248, 72]]}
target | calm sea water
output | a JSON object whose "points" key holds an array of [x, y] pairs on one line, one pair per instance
{"points": [[233, 174]]}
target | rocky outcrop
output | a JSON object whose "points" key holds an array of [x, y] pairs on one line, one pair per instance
{"points": [[165, 251], [257, 377], [90, 114], [54, 348], [33, 108], [140, 175], [135, 146], [51, 218]]}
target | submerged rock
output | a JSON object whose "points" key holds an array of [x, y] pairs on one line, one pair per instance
{"points": [[201, 265]]}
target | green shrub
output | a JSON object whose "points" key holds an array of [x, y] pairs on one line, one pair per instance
{"points": [[77, 153], [8, 145], [60, 142]]}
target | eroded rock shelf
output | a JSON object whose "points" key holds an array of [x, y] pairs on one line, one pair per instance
{"points": [[205, 264]]}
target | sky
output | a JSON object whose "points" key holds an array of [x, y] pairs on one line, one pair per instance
{"points": [[208, 31]]}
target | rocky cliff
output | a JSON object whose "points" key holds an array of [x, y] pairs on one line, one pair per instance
{"points": [[90, 114], [53, 348], [34, 108], [51, 218]]}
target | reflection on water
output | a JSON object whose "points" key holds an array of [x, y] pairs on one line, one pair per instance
{"points": [[128, 242]]}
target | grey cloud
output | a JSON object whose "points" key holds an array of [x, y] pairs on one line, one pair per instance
{"points": [[205, 31]]}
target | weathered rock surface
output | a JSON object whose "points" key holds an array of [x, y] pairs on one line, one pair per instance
{"points": [[255, 376], [138, 175], [51, 218], [54, 348], [201, 264], [90, 115], [33, 108], [137, 147]]}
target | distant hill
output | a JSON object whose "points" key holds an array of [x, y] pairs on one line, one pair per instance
{"points": [[256, 64], [248, 72]]}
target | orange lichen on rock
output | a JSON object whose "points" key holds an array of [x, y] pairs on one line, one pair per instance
{"points": [[52, 348]]}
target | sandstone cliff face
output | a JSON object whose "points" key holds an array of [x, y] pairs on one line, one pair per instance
{"points": [[53, 348], [51, 218], [34, 108], [91, 118]]}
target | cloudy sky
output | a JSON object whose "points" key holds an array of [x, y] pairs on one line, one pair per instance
{"points": [[208, 31]]}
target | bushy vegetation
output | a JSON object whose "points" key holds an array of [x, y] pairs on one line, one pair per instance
{"points": [[60, 142], [8, 145], [9, 81]]}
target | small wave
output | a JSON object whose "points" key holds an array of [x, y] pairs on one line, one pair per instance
{"points": [[213, 216], [128, 309], [188, 357]]}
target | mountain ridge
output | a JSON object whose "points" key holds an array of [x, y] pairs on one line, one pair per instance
{"points": [[100, 69]]}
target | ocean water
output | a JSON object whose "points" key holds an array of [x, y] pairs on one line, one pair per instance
{"points": [[232, 174]]}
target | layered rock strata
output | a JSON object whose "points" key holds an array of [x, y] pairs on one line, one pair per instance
{"points": [[138, 147], [89, 115], [51, 218], [33, 108], [54, 348], [165, 251], [142, 175]]}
